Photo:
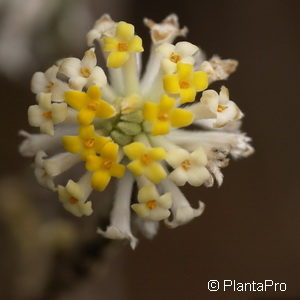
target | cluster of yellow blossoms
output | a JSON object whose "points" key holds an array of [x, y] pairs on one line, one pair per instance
{"points": [[127, 126]]}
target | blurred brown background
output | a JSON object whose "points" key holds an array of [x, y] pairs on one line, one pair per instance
{"points": [[251, 227]]}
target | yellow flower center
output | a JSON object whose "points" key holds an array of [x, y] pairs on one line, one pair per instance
{"points": [[89, 143], [186, 164], [73, 200], [85, 72], [146, 159], [122, 46], [107, 164], [163, 117], [184, 84], [92, 106], [151, 204], [174, 57], [47, 114], [221, 108]]}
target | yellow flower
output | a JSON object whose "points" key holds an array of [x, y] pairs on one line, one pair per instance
{"points": [[165, 114], [89, 105], [144, 161], [86, 143], [105, 166], [121, 45], [185, 82]]}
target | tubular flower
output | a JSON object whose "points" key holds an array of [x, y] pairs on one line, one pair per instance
{"points": [[217, 107], [183, 52], [104, 166], [144, 161], [120, 46], [165, 114], [89, 105], [129, 127], [88, 142], [83, 72], [151, 205], [185, 82], [46, 114]]}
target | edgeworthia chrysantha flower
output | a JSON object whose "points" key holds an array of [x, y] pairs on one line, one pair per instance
{"points": [[128, 127]]}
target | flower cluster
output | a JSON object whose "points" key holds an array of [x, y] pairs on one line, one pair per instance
{"points": [[129, 126]]}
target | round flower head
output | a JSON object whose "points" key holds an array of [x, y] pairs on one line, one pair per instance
{"points": [[133, 127]]}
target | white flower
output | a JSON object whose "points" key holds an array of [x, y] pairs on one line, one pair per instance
{"points": [[182, 52], [60, 163], [74, 196], [151, 205], [166, 31], [43, 178], [104, 26], [181, 208], [35, 142], [48, 83], [83, 72], [217, 107], [119, 227], [218, 69], [46, 114], [189, 167], [148, 228]]}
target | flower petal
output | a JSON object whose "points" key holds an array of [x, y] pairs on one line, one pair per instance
{"points": [[136, 167], [104, 110], [200, 80], [35, 116], [97, 77], [155, 172], [72, 144], [140, 209], [117, 170], [165, 200], [134, 150], [94, 92], [93, 162], [199, 157], [59, 112], [110, 44], [157, 153], [100, 180], [117, 59], [124, 31], [135, 44], [158, 214], [166, 103], [44, 101], [70, 67], [89, 60], [187, 95], [185, 48], [160, 127], [181, 117], [171, 84], [147, 193], [110, 151], [197, 175], [184, 70], [150, 111], [179, 176], [87, 132], [86, 116], [39, 83], [76, 99]]}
